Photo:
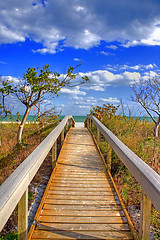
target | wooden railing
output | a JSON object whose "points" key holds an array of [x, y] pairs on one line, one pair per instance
{"points": [[148, 179], [15, 189]]}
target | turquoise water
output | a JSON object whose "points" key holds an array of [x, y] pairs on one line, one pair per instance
{"points": [[32, 118], [13, 118], [77, 118]]}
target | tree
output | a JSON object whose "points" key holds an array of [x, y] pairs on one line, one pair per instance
{"points": [[5, 90], [107, 111], [48, 115], [35, 87], [129, 119], [147, 94]]}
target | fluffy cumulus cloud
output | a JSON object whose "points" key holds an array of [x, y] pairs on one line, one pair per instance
{"points": [[81, 105], [110, 100], [80, 24], [72, 91], [101, 79], [10, 78], [138, 67]]}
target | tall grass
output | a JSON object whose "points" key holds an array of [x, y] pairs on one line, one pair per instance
{"points": [[139, 137]]}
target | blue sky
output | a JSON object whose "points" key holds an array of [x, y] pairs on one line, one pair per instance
{"points": [[117, 41]]}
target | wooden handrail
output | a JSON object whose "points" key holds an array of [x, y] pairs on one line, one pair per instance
{"points": [[15, 186], [145, 175], [148, 179]]}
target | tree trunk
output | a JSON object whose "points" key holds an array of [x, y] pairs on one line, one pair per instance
{"points": [[4, 107], [157, 127], [156, 130], [21, 127], [39, 112]]}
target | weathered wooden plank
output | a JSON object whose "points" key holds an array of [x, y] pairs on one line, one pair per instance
{"points": [[81, 185], [91, 213], [77, 219], [54, 154], [75, 197], [80, 177], [145, 218], [83, 226], [108, 207], [16, 184], [145, 175], [23, 216], [38, 234], [83, 193], [81, 200], [79, 189], [79, 170], [92, 181]]}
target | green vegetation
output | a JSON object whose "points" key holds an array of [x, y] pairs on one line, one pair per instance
{"points": [[140, 138], [11, 236], [35, 87], [11, 154], [147, 94], [30, 195], [5, 90]]}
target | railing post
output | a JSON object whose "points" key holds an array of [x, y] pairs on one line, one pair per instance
{"points": [[70, 122], [145, 218], [73, 123], [98, 135], [23, 216], [88, 123], [62, 137], [92, 124], [54, 154], [109, 157], [66, 127]]}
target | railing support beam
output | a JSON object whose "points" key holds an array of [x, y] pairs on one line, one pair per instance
{"points": [[92, 124], [54, 154], [87, 123], [23, 216], [98, 136], [145, 218], [62, 137], [109, 157]]}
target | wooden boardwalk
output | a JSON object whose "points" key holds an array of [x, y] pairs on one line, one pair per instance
{"points": [[80, 201]]}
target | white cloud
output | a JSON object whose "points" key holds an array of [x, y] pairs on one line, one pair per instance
{"points": [[72, 91], [9, 36], [138, 67], [2, 62], [152, 40], [151, 74], [82, 105], [107, 53], [114, 47], [10, 78], [110, 100], [77, 59], [101, 79], [80, 24]]}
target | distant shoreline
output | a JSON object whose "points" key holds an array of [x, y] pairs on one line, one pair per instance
{"points": [[32, 119]]}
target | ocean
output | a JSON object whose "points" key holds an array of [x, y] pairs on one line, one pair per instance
{"points": [[31, 118]]}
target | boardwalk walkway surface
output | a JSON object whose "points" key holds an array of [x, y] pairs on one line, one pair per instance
{"points": [[80, 201]]}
